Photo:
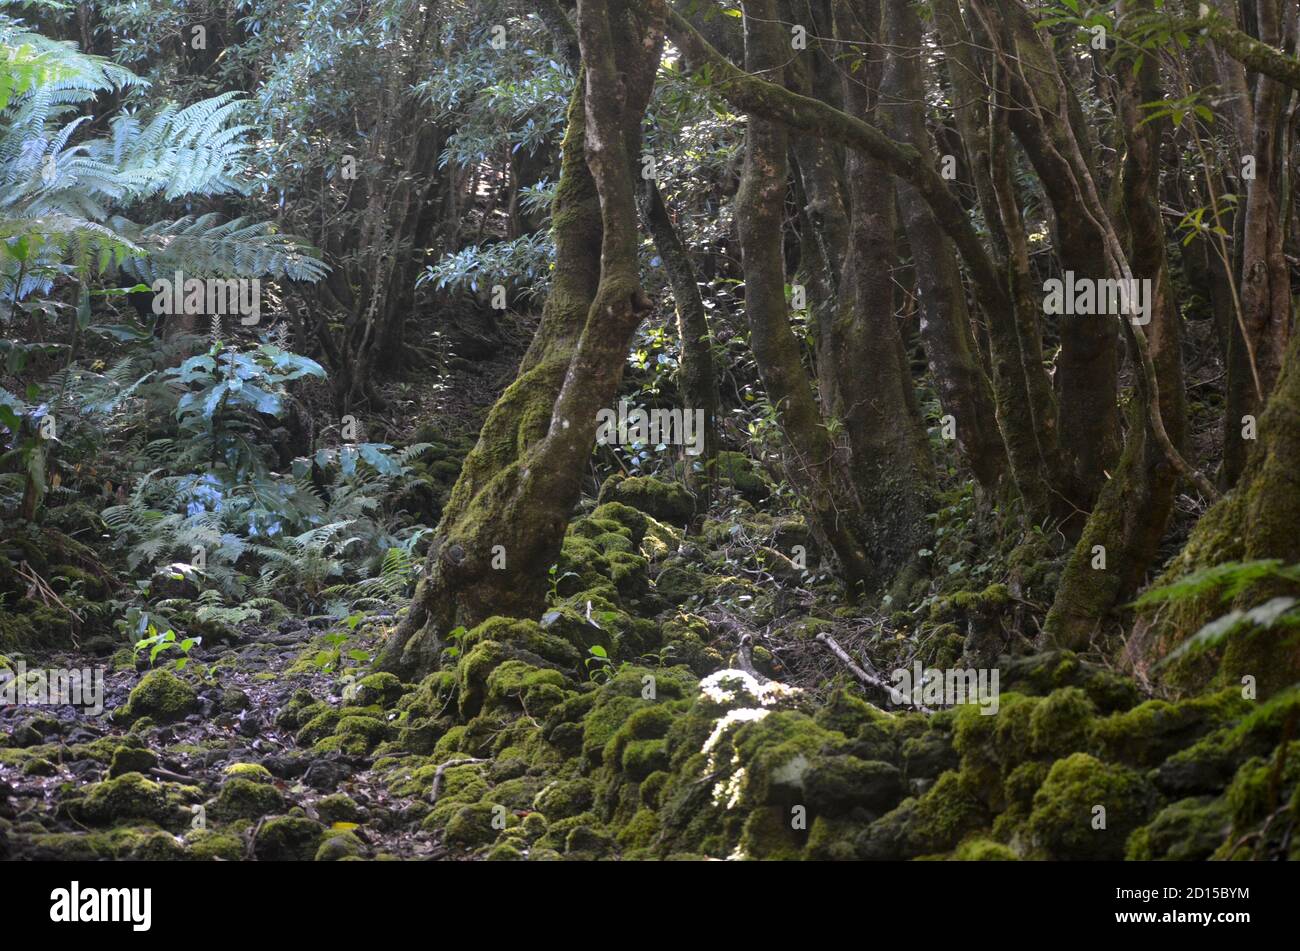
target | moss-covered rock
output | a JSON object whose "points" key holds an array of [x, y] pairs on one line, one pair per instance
{"points": [[208, 845], [254, 772], [665, 501], [337, 846], [382, 689], [126, 797], [1086, 809], [288, 839], [246, 799], [1147, 734], [476, 825], [161, 696], [1189, 830], [128, 759]]}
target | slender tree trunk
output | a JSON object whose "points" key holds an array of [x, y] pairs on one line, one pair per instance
{"points": [[964, 390], [697, 380], [1255, 348], [1045, 117], [1123, 531], [875, 397], [816, 464]]}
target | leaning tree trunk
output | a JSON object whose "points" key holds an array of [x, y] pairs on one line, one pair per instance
{"points": [[1022, 390], [1123, 531], [1048, 122], [505, 520], [698, 381]]}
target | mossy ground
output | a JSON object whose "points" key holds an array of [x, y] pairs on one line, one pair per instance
{"points": [[604, 729]]}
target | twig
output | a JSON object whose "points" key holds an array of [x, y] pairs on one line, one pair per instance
{"points": [[172, 777], [868, 679], [437, 776]]}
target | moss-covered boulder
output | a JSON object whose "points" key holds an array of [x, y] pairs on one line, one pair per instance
{"points": [[665, 501], [1086, 809], [1189, 830], [246, 799], [288, 839], [162, 697], [129, 759], [126, 797], [382, 689], [254, 772]]}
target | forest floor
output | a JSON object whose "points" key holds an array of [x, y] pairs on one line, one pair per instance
{"points": [[227, 728], [680, 697]]}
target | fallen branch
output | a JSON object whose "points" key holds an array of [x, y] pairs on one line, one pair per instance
{"points": [[863, 676], [437, 776], [172, 777]]}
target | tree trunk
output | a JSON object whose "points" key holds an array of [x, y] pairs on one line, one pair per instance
{"points": [[964, 390], [518, 486], [816, 464]]}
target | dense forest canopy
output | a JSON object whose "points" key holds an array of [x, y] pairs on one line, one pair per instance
{"points": [[852, 429]]}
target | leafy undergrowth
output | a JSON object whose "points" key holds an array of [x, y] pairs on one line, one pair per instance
{"points": [[620, 724]]}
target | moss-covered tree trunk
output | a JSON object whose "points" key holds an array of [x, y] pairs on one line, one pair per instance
{"points": [[1258, 520], [1258, 341], [1123, 531], [698, 380], [506, 516], [874, 396], [964, 390], [816, 464]]}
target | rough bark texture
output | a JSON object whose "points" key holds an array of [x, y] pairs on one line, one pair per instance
{"points": [[1256, 347], [698, 379], [816, 464], [964, 390], [519, 484], [1045, 118], [875, 400], [1133, 509]]}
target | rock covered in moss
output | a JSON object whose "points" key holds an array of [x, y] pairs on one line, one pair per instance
{"points": [[209, 844], [288, 839], [666, 501], [338, 846], [1189, 830], [475, 825], [245, 799], [162, 697], [128, 759], [254, 772], [129, 796], [381, 689], [1149, 733], [338, 807], [1086, 809], [983, 850]]}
